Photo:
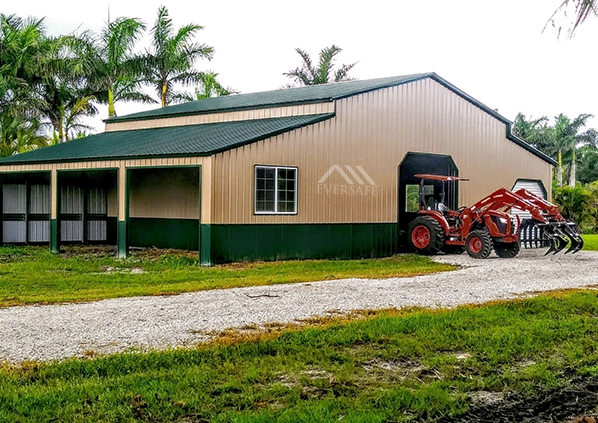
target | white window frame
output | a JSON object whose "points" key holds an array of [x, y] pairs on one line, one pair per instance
{"points": [[276, 168]]}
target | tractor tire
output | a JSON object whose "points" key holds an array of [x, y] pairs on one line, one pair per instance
{"points": [[426, 236], [453, 249], [479, 244], [506, 250]]}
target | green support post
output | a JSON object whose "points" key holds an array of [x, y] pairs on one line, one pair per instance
{"points": [[122, 236], [54, 236]]}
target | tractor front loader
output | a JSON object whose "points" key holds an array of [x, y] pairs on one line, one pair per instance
{"points": [[488, 224]]}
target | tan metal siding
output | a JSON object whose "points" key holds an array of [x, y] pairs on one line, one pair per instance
{"points": [[164, 193], [375, 130], [297, 110]]}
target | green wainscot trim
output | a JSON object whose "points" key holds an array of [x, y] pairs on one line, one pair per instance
{"points": [[180, 234], [54, 236], [233, 243]]}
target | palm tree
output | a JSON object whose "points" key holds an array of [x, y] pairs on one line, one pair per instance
{"points": [[210, 87], [587, 158], [567, 139], [583, 9], [533, 130], [113, 71], [64, 91], [308, 74], [19, 134], [172, 56], [23, 54]]}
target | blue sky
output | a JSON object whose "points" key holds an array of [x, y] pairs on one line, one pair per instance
{"points": [[495, 51]]}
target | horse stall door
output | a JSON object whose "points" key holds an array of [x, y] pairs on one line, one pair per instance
{"points": [[38, 221], [14, 213], [71, 214], [96, 215]]}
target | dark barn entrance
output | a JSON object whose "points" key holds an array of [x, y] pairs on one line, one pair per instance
{"points": [[415, 163]]}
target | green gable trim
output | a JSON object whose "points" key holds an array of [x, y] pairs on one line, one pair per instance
{"points": [[235, 243], [175, 141]]}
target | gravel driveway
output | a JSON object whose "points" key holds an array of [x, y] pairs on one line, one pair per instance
{"points": [[65, 330]]}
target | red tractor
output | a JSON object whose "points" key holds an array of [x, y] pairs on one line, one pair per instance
{"points": [[486, 225]]}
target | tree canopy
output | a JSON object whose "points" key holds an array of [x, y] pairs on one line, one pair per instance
{"points": [[581, 10], [49, 85], [324, 73]]}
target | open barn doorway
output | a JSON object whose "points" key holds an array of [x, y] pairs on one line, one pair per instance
{"points": [[25, 211], [87, 207], [408, 197]]}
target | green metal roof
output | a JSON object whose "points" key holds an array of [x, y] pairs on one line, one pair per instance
{"points": [[190, 140], [287, 96], [212, 138]]}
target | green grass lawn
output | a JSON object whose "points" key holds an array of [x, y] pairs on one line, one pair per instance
{"points": [[34, 275], [390, 366], [590, 242]]}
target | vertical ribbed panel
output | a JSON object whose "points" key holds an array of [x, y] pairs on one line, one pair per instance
{"points": [[14, 231], [96, 200], [97, 230], [39, 230], [71, 230], [14, 198], [71, 199], [39, 200], [374, 131]]}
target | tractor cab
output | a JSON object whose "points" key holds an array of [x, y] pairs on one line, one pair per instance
{"points": [[432, 191]]}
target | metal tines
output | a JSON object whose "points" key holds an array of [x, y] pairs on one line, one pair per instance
{"points": [[560, 235]]}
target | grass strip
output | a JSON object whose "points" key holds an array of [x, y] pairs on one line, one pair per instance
{"points": [[34, 275], [392, 365], [590, 242]]}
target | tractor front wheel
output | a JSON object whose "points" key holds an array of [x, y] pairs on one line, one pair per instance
{"points": [[479, 244], [506, 250], [426, 235]]}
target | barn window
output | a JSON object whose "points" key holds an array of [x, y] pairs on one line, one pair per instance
{"points": [[275, 190]]}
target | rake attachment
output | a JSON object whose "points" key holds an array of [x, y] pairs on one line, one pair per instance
{"points": [[559, 235]]}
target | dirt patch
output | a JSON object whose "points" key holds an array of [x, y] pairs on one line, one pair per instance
{"points": [[576, 403]]}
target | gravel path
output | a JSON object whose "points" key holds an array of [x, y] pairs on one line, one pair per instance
{"points": [[66, 330]]}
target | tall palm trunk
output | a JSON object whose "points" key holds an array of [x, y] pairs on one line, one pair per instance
{"points": [[573, 168], [111, 103], [164, 89], [559, 169]]}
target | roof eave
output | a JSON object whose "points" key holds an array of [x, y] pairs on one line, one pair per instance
{"points": [[318, 119]]}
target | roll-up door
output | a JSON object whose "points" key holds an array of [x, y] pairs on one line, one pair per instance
{"points": [[530, 236]]}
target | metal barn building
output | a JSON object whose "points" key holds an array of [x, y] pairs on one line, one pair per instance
{"points": [[309, 172]]}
